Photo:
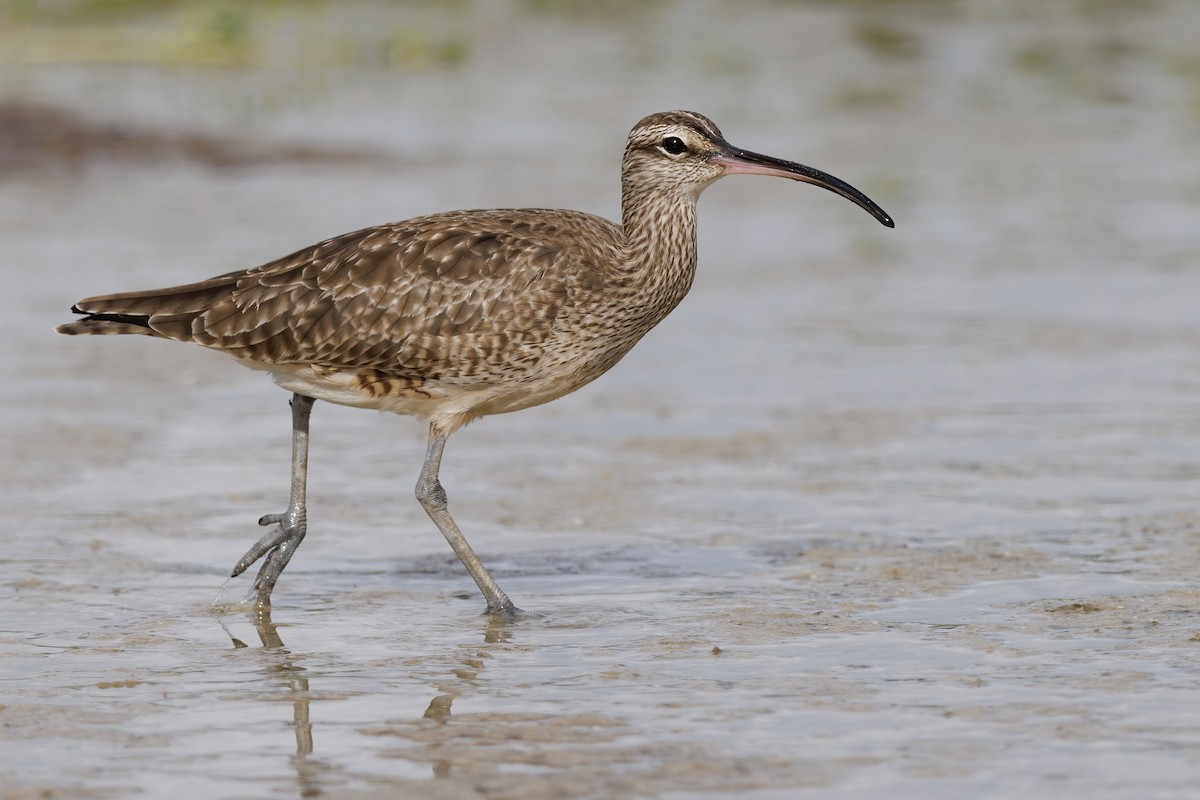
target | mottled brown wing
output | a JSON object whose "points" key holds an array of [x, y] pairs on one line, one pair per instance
{"points": [[432, 297]]}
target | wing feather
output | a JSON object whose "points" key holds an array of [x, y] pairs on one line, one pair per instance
{"points": [[419, 298]]}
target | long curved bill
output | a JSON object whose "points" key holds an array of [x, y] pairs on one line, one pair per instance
{"points": [[742, 162]]}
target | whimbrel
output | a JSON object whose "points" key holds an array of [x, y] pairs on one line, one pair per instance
{"points": [[454, 316]]}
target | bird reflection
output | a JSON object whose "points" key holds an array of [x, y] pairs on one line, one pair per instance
{"points": [[460, 679], [439, 708], [281, 670], [498, 630], [468, 666]]}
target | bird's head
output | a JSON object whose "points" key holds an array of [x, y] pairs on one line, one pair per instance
{"points": [[684, 152]]}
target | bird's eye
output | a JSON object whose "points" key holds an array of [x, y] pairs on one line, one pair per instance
{"points": [[674, 145]]}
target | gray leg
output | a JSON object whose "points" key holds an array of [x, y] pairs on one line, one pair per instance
{"points": [[433, 499], [280, 544]]}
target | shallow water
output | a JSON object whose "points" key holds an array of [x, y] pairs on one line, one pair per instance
{"points": [[902, 513]]}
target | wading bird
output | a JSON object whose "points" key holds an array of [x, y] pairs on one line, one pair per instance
{"points": [[455, 316]]}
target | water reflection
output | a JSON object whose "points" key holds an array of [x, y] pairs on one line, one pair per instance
{"points": [[447, 750], [465, 671], [281, 670]]}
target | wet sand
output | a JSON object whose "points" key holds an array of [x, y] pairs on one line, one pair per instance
{"points": [[904, 513]]}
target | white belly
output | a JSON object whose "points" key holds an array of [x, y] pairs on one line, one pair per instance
{"points": [[445, 405]]}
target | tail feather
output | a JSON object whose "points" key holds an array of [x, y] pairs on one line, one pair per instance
{"points": [[97, 326], [191, 298], [137, 312]]}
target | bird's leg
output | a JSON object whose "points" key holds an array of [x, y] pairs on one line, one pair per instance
{"points": [[280, 544], [432, 497]]}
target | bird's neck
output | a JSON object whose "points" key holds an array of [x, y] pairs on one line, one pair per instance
{"points": [[659, 258]]}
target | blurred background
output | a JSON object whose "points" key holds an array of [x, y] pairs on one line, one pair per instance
{"points": [[898, 512]]}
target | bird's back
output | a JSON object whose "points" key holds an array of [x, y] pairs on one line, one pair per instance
{"points": [[461, 300]]}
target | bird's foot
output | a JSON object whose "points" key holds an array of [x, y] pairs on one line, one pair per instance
{"points": [[267, 543], [506, 611], [278, 546]]}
